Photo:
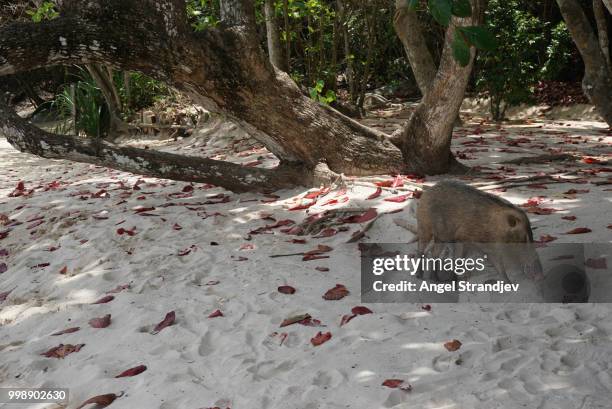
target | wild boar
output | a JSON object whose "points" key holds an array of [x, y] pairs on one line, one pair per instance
{"points": [[453, 212]]}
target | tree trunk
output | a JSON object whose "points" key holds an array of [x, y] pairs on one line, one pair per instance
{"points": [[410, 31], [608, 4], [104, 79], [426, 139], [602, 29], [273, 36], [597, 81], [226, 70]]}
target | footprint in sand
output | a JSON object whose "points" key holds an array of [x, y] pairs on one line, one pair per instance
{"points": [[269, 369], [329, 379], [206, 344]]}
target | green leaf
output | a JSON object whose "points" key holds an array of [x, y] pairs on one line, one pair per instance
{"points": [[441, 10], [461, 50], [462, 8], [413, 4], [479, 37]]}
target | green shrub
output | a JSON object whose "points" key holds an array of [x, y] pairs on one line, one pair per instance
{"points": [[560, 54], [92, 116], [509, 73]]}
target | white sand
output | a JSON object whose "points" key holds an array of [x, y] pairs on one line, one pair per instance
{"points": [[513, 356]]}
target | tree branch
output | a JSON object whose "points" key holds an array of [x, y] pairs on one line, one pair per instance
{"points": [[27, 138]]}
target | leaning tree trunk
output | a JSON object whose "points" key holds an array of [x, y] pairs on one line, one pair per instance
{"points": [[410, 31], [224, 69], [273, 36], [426, 139], [597, 81]]}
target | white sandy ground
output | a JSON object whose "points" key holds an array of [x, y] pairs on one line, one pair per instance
{"points": [[513, 356]]}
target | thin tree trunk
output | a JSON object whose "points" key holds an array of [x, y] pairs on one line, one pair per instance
{"points": [[273, 36], [426, 139], [597, 81], [602, 29], [410, 31], [287, 35], [103, 77], [350, 71]]}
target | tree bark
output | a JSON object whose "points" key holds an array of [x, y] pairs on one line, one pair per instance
{"points": [[104, 79], [28, 138], [597, 81], [426, 139], [226, 70], [602, 29], [273, 36], [410, 31], [608, 4]]}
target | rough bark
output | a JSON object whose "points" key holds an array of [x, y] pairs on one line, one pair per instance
{"points": [[410, 31], [273, 36], [597, 81], [602, 29], [426, 139], [28, 138], [226, 70], [222, 68]]}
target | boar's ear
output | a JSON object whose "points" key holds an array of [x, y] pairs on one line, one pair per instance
{"points": [[512, 220]]}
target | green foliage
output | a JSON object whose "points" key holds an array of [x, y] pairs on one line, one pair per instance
{"points": [[559, 53], [92, 118], [46, 11], [509, 72], [144, 91], [203, 14], [316, 93]]}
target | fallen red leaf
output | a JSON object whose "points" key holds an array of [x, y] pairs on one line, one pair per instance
{"points": [[579, 230], [101, 322], [570, 218], [166, 322], [104, 300], [393, 383], [66, 331], [364, 217], [375, 194], [61, 351], [100, 401], [360, 310], [452, 345], [303, 206], [215, 314], [320, 338], [397, 199], [336, 293], [329, 232], [426, 307], [286, 289], [346, 318], [322, 269], [132, 371]]}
